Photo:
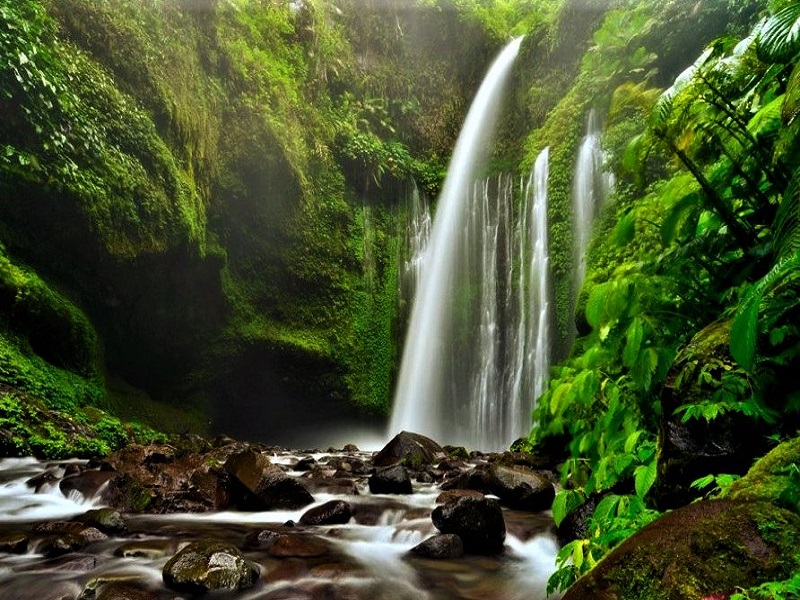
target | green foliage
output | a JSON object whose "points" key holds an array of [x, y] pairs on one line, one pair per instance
{"points": [[772, 590], [714, 484]]}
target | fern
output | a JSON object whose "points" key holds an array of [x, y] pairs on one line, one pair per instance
{"points": [[787, 220], [791, 103]]}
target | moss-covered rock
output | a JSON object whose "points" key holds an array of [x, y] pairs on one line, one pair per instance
{"points": [[774, 478], [707, 549], [206, 565]]}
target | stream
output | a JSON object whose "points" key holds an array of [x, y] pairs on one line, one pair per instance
{"points": [[366, 558]]}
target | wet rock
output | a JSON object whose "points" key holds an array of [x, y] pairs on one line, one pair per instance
{"points": [[86, 532], [449, 495], [204, 566], [51, 590], [124, 591], [305, 464], [442, 546], [49, 477], [477, 521], [339, 486], [350, 449], [413, 449], [474, 479], [148, 549], [106, 520], [575, 525], [298, 546], [391, 480], [335, 512], [129, 495], [57, 545], [261, 539], [88, 483], [520, 488], [698, 551], [13, 543], [266, 487]]}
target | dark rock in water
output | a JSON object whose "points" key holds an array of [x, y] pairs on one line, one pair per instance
{"points": [[350, 449], [450, 495], [52, 546], [13, 543], [520, 488], [86, 532], [474, 479], [331, 485], [124, 591], [205, 566], [391, 480], [129, 495], [335, 512], [266, 487], [699, 551], [305, 464], [298, 546], [477, 521], [106, 520], [148, 549], [412, 449], [442, 546], [261, 539], [87, 484]]}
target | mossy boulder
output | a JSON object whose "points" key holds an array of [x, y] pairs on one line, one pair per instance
{"points": [[703, 550], [206, 565], [774, 478], [412, 449]]}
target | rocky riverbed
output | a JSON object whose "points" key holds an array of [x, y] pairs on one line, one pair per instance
{"points": [[227, 519]]}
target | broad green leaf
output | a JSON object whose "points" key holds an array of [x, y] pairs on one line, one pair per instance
{"points": [[744, 330], [632, 440], [564, 503], [644, 477], [633, 342], [557, 399]]}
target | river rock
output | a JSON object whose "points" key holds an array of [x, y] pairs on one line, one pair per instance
{"points": [[106, 520], [412, 449], [266, 486], [13, 543], [391, 480], [520, 488], [703, 550], [477, 521], [124, 591], [449, 495], [52, 546], [335, 512], [305, 464], [442, 546], [204, 566], [87, 483]]}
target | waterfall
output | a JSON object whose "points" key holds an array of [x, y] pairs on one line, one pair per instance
{"points": [[590, 187], [417, 233], [424, 401]]}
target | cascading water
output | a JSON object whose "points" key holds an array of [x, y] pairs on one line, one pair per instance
{"points": [[422, 397], [590, 187]]}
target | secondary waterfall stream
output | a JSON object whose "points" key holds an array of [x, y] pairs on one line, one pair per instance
{"points": [[477, 350]]}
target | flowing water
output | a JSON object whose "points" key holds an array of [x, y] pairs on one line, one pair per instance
{"points": [[477, 351], [366, 559], [590, 188]]}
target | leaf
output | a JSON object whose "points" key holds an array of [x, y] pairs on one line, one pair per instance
{"points": [[779, 35], [791, 103], [644, 477], [702, 483], [633, 342], [596, 313], [557, 398], [669, 226], [564, 503], [632, 440]]}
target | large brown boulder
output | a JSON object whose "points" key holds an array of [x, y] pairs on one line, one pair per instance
{"points": [[262, 485], [412, 449], [704, 550], [391, 480]]}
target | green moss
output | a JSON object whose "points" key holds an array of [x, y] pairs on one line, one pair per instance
{"points": [[773, 478]]}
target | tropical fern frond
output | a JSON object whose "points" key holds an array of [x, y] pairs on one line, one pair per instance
{"points": [[791, 102], [787, 221], [744, 331], [779, 35], [768, 120]]}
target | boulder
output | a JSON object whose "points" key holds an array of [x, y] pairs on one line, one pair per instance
{"points": [[442, 546], [335, 512], [704, 550], [520, 488], [87, 484], [292, 545], [477, 521], [264, 486], [106, 520], [13, 543], [204, 566], [391, 480], [124, 591], [412, 449], [449, 495]]}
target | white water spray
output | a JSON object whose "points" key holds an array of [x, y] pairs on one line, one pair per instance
{"points": [[418, 404]]}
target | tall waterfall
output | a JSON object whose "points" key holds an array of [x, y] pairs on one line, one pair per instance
{"points": [[590, 188], [477, 352]]}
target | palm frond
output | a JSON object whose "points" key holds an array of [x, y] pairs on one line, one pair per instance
{"points": [[787, 220], [779, 35], [791, 103]]}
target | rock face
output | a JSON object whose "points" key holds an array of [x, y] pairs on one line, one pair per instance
{"points": [[703, 550], [391, 480], [206, 566], [477, 521], [518, 487], [266, 486], [442, 546], [412, 449]]}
